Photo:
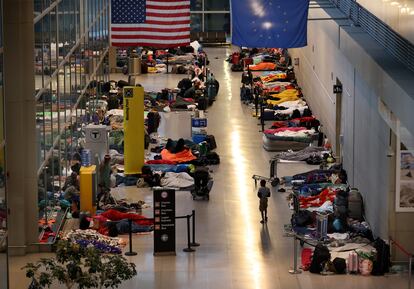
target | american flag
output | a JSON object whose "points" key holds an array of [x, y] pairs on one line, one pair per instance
{"points": [[154, 23]]}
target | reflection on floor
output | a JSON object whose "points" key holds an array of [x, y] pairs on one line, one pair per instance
{"points": [[237, 251]]}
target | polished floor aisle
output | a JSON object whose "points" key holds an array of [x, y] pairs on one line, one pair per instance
{"points": [[237, 252]]}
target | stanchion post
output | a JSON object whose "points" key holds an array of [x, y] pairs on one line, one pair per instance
{"points": [[194, 243], [295, 269], [188, 249], [261, 117], [256, 103], [130, 253], [410, 271]]}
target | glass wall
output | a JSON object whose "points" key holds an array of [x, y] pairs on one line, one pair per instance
{"points": [[71, 47], [3, 206], [210, 16]]}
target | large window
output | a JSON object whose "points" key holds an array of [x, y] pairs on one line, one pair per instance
{"points": [[210, 16], [71, 47], [3, 206]]}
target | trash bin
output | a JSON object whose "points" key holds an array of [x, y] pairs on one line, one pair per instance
{"points": [[134, 66]]}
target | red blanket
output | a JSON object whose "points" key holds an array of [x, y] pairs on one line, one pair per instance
{"points": [[115, 215]]}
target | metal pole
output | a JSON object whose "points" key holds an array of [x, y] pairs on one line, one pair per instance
{"points": [[256, 103], [194, 243], [410, 269], [130, 253], [188, 249], [261, 117], [295, 269]]}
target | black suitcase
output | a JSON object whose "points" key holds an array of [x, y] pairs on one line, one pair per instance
{"points": [[211, 142], [202, 103], [355, 205]]}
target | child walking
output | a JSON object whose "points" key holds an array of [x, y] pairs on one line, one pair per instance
{"points": [[263, 193]]}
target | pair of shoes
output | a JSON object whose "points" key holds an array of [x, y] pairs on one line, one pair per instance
{"points": [[262, 222]]}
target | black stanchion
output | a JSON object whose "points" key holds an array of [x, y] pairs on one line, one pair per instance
{"points": [[130, 253], [194, 243], [188, 249], [261, 116], [167, 63], [256, 103]]}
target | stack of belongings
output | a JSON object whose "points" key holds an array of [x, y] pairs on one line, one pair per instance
{"points": [[174, 163], [329, 217]]}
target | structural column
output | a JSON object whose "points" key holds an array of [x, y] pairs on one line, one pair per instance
{"points": [[20, 125]]}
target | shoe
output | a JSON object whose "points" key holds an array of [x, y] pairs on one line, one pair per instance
{"points": [[266, 219], [262, 222]]}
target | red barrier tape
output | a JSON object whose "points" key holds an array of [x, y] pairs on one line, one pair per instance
{"points": [[401, 248]]}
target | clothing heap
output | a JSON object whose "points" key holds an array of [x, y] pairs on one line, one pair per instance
{"points": [[101, 242], [329, 216]]}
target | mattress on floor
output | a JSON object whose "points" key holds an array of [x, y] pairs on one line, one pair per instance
{"points": [[274, 143]]}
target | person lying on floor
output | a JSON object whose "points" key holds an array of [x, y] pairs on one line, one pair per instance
{"points": [[316, 176]]}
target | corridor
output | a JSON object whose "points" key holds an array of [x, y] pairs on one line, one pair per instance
{"points": [[236, 252]]}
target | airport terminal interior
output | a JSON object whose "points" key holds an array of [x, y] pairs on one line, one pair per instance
{"points": [[206, 144]]}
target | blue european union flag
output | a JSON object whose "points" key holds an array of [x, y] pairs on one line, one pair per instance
{"points": [[269, 23], [128, 11]]}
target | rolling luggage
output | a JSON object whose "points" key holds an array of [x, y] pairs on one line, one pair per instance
{"points": [[211, 141], [202, 103], [353, 263], [355, 205]]}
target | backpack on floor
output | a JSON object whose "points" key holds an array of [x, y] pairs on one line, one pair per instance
{"points": [[355, 205], [382, 263], [340, 265], [213, 158], [237, 67], [211, 142], [321, 255]]}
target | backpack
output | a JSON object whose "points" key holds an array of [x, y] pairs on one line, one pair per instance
{"points": [[213, 158], [246, 93], [211, 142], [382, 262], [321, 255], [181, 70], [340, 265], [355, 205], [237, 67], [301, 218]]}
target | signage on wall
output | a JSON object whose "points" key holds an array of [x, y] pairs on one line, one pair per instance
{"points": [[164, 221], [337, 88]]}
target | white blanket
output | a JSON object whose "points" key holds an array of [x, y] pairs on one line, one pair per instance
{"points": [[177, 180]]}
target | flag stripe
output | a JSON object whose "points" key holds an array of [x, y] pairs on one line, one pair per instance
{"points": [[181, 16], [150, 37], [154, 41], [168, 3], [148, 29], [158, 7], [151, 33]]}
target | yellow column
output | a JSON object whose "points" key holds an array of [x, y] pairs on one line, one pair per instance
{"points": [[133, 130]]}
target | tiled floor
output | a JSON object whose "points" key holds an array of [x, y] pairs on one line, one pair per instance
{"points": [[237, 252]]}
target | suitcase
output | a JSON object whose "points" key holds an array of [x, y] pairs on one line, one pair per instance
{"points": [[355, 205], [353, 263], [202, 103], [211, 141], [321, 226], [235, 58]]}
